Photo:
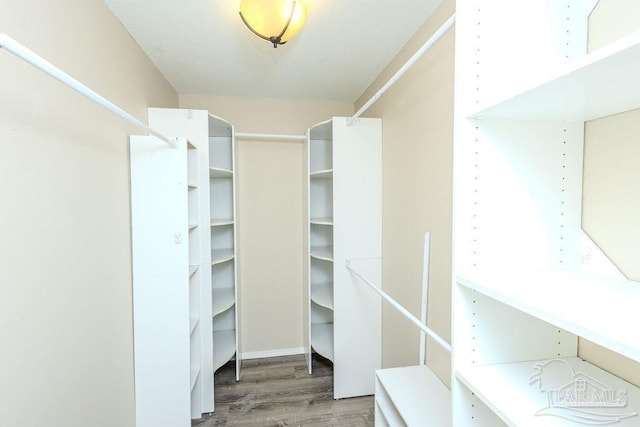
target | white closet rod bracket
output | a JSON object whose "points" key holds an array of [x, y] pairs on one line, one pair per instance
{"points": [[445, 345], [268, 136], [425, 47], [30, 57]]}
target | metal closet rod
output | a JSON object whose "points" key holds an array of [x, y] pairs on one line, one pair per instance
{"points": [[395, 304], [12, 46], [270, 136], [425, 47]]}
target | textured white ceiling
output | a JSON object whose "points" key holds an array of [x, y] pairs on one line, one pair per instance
{"points": [[202, 46]]}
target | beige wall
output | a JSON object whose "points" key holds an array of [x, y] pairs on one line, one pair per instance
{"points": [[610, 206], [270, 215], [66, 333], [417, 114]]}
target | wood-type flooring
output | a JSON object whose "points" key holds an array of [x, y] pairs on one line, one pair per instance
{"points": [[279, 391]]}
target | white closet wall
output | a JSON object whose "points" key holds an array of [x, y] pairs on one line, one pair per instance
{"points": [[342, 317], [524, 89]]}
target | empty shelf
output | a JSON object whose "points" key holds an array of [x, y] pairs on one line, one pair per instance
{"points": [[220, 173], [322, 339], [512, 391], [322, 294], [545, 295], [223, 299], [321, 221], [599, 84], [221, 222], [221, 255], [323, 174], [224, 347], [412, 395], [322, 252]]}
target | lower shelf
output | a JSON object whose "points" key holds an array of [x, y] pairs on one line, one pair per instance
{"points": [[556, 392], [224, 347], [411, 396], [322, 339]]}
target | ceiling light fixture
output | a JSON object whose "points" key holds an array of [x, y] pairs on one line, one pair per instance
{"points": [[276, 21]]}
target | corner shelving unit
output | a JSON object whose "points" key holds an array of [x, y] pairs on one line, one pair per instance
{"points": [[222, 185], [342, 221], [521, 303], [320, 234]]}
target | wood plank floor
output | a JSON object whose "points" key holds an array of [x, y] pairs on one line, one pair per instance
{"points": [[279, 392]]}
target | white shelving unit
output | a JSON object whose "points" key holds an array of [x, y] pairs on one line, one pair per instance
{"points": [[192, 124], [222, 185], [162, 249], [342, 318], [524, 87]]}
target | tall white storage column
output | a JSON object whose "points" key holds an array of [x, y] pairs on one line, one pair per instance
{"points": [[344, 193], [224, 266], [524, 88], [160, 249], [193, 124]]}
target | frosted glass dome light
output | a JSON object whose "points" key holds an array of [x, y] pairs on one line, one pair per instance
{"points": [[276, 21]]}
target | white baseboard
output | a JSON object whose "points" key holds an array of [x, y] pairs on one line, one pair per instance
{"points": [[272, 353]]}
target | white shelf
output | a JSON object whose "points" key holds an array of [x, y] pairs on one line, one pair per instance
{"points": [[321, 221], [218, 222], [415, 395], [323, 174], [219, 256], [322, 252], [572, 301], [193, 322], [192, 226], [322, 294], [599, 84], [223, 299], [322, 339], [195, 373], [224, 347], [220, 173], [508, 391], [193, 269]]}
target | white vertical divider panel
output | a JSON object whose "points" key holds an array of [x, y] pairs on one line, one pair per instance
{"points": [[306, 287], [193, 124], [357, 194], [160, 282]]}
